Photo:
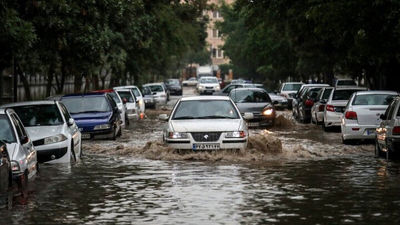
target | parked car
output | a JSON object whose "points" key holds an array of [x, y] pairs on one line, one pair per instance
{"points": [[159, 91], [139, 97], [205, 123], [96, 114], [345, 83], [388, 132], [130, 102], [148, 97], [121, 106], [361, 116], [208, 85], [300, 92], [174, 86], [336, 104], [22, 153], [53, 132], [317, 110], [257, 102], [230, 87], [289, 90], [305, 101], [190, 82], [5, 169]]}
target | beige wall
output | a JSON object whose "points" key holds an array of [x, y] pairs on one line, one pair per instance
{"points": [[214, 40]]}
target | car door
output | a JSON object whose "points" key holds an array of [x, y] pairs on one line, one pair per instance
{"points": [[384, 126], [72, 129], [26, 145]]}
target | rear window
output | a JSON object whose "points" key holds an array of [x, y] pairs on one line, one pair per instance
{"points": [[342, 94], [373, 99], [327, 93], [291, 87], [346, 83], [39, 115], [156, 88], [6, 130], [86, 104], [249, 96]]}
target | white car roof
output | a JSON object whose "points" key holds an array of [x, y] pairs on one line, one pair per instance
{"points": [[376, 92], [315, 85], [150, 84], [212, 97], [126, 87], [351, 88], [122, 89], [207, 77], [292, 82], [48, 102]]}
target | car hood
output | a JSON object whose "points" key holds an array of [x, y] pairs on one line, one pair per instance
{"points": [[212, 125], [209, 85], [252, 107], [91, 116], [40, 132]]}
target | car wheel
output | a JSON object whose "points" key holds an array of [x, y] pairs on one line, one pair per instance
{"points": [[378, 151], [73, 156]]}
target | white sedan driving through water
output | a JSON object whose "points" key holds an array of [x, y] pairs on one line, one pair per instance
{"points": [[206, 123]]}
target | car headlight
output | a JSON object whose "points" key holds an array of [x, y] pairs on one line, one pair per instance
{"points": [[236, 134], [217, 88], [102, 127], [15, 166], [201, 87], [177, 135], [140, 102], [268, 112], [54, 139]]}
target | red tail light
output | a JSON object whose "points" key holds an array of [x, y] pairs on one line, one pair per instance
{"points": [[350, 115], [396, 131], [321, 108], [309, 102], [330, 108]]}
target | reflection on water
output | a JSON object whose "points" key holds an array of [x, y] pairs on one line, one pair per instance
{"points": [[126, 191]]}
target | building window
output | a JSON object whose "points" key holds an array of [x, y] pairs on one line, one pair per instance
{"points": [[214, 52], [220, 53], [216, 33], [216, 14]]}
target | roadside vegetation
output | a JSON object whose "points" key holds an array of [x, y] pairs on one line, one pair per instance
{"points": [[273, 39]]}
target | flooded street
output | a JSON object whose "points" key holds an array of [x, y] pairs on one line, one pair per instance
{"points": [[291, 174]]}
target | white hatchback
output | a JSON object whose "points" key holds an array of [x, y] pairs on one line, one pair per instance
{"points": [[53, 131], [362, 115], [139, 98], [206, 123], [159, 91]]}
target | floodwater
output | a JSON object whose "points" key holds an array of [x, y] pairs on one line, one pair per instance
{"points": [[297, 174]]}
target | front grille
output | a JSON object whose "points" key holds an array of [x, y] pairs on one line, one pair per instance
{"points": [[206, 136], [38, 142], [209, 87]]}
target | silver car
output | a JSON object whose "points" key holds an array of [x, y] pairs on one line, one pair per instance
{"points": [[388, 132], [159, 91], [205, 123], [317, 110], [54, 133], [22, 154]]}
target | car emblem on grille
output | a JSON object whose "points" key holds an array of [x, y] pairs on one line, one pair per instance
{"points": [[206, 136]]}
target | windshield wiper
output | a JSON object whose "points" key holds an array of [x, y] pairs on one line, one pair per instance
{"points": [[216, 117], [185, 118]]}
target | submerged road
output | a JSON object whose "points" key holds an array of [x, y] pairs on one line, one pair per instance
{"points": [[306, 177]]}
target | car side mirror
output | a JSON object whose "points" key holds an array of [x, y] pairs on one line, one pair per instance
{"points": [[24, 140], [248, 116], [70, 122], [382, 117], [163, 117]]}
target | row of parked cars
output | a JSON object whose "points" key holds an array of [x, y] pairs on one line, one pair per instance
{"points": [[51, 131], [360, 113]]}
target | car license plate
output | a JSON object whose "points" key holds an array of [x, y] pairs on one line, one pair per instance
{"points": [[253, 124], [85, 136], [206, 146], [370, 131]]}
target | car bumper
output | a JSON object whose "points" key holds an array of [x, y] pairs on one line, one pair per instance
{"points": [[223, 143], [260, 121], [207, 91], [332, 119], [97, 134], [134, 116], [356, 131], [319, 117]]}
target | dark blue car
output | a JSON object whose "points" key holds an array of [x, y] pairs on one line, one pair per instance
{"points": [[96, 114]]}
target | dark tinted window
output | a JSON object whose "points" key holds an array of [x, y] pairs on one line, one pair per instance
{"points": [[39, 115], [327, 93], [346, 83], [112, 102], [6, 130], [291, 87], [205, 109], [312, 92], [172, 81], [64, 111], [249, 96], [373, 99], [156, 88], [86, 104], [127, 95], [342, 94]]}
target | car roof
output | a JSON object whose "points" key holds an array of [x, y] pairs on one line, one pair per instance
{"points": [[206, 77], [376, 92], [123, 89], [149, 84], [211, 97], [47, 102], [104, 91], [315, 85], [84, 95], [126, 86], [351, 88]]}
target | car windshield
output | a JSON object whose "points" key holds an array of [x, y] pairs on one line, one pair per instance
{"points": [[156, 88], [114, 96], [39, 115], [205, 109], [291, 87], [210, 80], [136, 92], [126, 95], [373, 99], [172, 81], [6, 130], [249, 96], [346, 83], [86, 104], [343, 94]]}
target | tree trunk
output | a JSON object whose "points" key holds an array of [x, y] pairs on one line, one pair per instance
{"points": [[77, 83], [25, 83], [50, 76]]}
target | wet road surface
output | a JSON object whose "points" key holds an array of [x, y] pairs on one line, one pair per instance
{"points": [[313, 180]]}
